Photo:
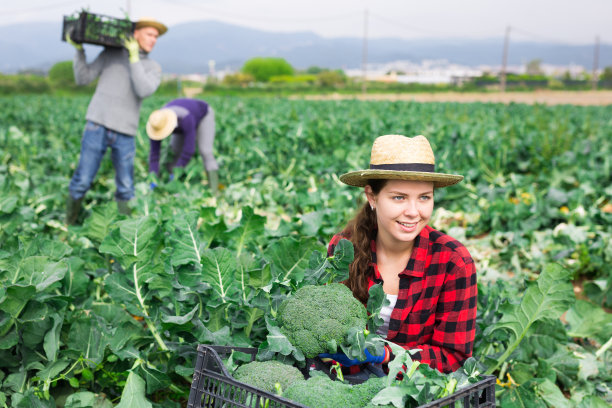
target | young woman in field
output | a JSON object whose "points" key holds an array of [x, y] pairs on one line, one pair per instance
{"points": [[428, 277]]}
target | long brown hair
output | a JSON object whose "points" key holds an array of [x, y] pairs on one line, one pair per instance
{"points": [[361, 230]]}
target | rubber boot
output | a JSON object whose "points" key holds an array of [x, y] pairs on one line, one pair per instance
{"points": [[123, 207], [73, 210], [213, 181]]}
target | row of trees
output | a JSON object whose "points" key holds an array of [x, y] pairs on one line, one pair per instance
{"points": [[278, 70], [261, 74]]}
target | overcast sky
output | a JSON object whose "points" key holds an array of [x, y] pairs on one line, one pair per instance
{"points": [[563, 21]]}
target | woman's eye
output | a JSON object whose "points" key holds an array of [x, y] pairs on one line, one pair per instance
{"points": [[425, 197], [398, 198]]}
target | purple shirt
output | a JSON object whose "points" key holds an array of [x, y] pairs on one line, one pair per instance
{"points": [[187, 125]]}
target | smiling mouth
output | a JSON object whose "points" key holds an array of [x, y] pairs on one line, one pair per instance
{"points": [[407, 224]]}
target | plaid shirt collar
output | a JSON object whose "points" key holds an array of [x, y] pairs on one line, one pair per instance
{"points": [[418, 260]]}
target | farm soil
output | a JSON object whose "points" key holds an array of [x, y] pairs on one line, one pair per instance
{"points": [[540, 97]]}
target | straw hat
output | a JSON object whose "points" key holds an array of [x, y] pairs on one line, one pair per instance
{"points": [[161, 123], [399, 157], [151, 22]]}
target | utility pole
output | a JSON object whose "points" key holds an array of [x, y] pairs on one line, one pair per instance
{"points": [[502, 74], [364, 57], [595, 63]]}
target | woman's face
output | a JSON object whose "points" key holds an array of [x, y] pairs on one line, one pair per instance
{"points": [[403, 209]]}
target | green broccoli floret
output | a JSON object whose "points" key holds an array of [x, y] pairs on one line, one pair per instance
{"points": [[265, 374], [322, 392], [316, 319]]}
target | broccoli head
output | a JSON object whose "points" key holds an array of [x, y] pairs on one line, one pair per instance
{"points": [[265, 374], [321, 392], [316, 319]]}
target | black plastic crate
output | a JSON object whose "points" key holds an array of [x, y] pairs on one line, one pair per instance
{"points": [[213, 386], [97, 29]]}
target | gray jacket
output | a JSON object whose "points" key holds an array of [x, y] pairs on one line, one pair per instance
{"points": [[121, 88]]}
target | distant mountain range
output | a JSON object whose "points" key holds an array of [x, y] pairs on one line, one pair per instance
{"points": [[188, 47]]}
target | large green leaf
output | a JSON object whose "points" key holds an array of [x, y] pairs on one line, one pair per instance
{"points": [[101, 221], [589, 320], [260, 277], [289, 257], [16, 298], [323, 269], [38, 271], [155, 379], [376, 301], [86, 399], [123, 291], [250, 228], [218, 270], [132, 238], [133, 244], [88, 336], [277, 342], [185, 242], [133, 395], [53, 249], [549, 297], [8, 204], [51, 343]]}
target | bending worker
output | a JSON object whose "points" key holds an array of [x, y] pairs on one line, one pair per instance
{"points": [[126, 77], [191, 122]]}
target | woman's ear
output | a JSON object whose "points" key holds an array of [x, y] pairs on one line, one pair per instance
{"points": [[370, 196]]}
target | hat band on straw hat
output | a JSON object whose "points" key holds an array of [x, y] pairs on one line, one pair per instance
{"points": [[424, 167]]}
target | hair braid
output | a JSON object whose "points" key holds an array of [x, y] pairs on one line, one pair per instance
{"points": [[362, 230]]}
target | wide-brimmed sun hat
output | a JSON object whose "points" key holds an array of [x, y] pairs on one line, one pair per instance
{"points": [[398, 157], [161, 123], [151, 22]]}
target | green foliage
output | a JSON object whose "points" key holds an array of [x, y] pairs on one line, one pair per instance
{"points": [[23, 84], [317, 319], [410, 383], [332, 78], [109, 297], [61, 75], [550, 297], [238, 79], [266, 374], [606, 75], [263, 69], [304, 79]]}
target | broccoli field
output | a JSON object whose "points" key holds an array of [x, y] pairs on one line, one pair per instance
{"points": [[110, 312]]}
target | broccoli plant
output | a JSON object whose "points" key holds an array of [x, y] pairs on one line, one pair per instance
{"points": [[319, 319], [271, 376], [321, 391]]}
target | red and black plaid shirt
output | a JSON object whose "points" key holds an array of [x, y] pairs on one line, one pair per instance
{"points": [[436, 303]]}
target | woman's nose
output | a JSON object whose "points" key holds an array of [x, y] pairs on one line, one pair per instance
{"points": [[410, 208]]}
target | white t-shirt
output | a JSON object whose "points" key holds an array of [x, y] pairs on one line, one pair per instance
{"points": [[385, 314]]}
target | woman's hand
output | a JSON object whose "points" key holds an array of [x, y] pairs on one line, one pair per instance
{"points": [[347, 362]]}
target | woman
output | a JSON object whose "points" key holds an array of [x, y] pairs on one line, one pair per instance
{"points": [[192, 124], [429, 277]]}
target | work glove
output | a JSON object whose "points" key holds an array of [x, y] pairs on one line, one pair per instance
{"points": [[79, 47], [347, 362], [133, 48]]}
